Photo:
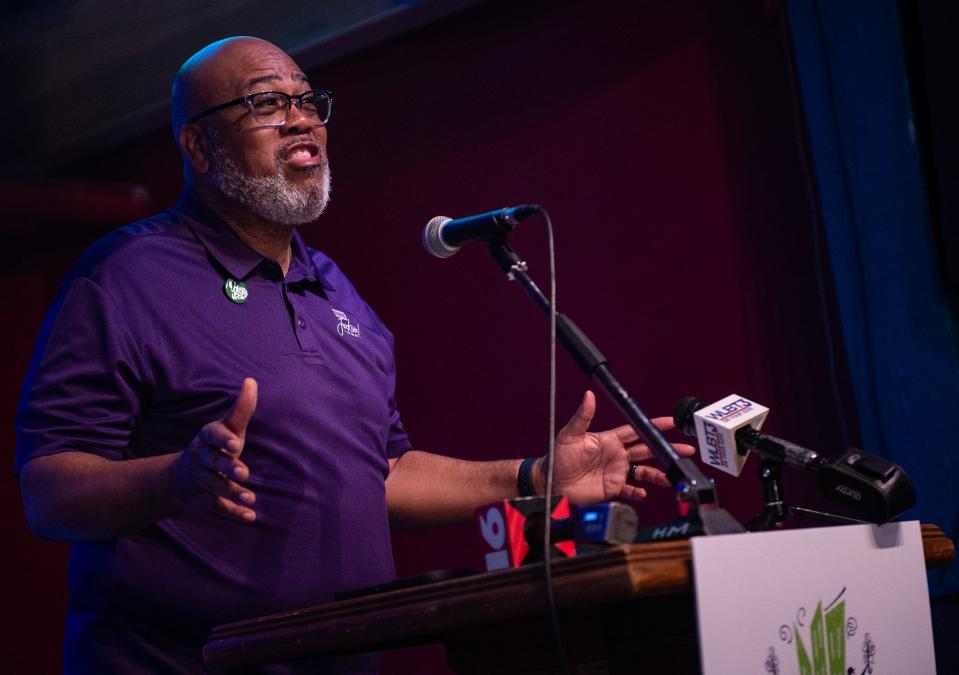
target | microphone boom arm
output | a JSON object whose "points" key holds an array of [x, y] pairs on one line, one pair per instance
{"points": [[691, 484]]}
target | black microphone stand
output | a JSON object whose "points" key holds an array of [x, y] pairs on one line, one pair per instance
{"points": [[776, 509], [691, 485]]}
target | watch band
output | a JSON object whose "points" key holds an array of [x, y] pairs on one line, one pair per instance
{"points": [[524, 479]]}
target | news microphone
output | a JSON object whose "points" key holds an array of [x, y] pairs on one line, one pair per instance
{"points": [[513, 529], [874, 488], [504, 526], [444, 236], [717, 425], [604, 523]]}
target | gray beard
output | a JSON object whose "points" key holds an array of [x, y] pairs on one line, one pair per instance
{"points": [[271, 197]]}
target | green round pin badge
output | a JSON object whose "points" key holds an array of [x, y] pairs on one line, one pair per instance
{"points": [[236, 291]]}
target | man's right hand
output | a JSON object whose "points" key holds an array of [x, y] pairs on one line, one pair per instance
{"points": [[209, 472]]}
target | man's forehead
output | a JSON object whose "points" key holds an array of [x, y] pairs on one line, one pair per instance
{"points": [[268, 76], [253, 67], [237, 66]]}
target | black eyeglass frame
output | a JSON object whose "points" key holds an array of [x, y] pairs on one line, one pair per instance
{"points": [[290, 98]]}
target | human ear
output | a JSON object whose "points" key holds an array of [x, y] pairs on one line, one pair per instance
{"points": [[194, 144]]}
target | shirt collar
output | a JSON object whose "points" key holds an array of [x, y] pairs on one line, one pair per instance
{"points": [[238, 259]]}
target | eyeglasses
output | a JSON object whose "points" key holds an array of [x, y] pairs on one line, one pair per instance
{"points": [[271, 107]]}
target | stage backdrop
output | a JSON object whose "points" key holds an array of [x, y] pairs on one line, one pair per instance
{"points": [[662, 139]]}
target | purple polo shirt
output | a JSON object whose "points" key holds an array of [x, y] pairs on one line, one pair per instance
{"points": [[141, 348]]}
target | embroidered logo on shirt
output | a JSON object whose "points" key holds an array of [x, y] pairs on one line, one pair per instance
{"points": [[344, 327]]}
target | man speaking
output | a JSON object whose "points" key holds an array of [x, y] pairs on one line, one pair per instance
{"points": [[209, 415]]}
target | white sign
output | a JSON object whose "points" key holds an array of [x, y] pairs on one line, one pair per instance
{"points": [[821, 601]]}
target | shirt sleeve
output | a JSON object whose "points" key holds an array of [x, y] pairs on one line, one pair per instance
{"points": [[82, 390], [397, 441]]}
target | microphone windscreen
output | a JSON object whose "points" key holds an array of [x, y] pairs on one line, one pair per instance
{"points": [[683, 414], [433, 241]]}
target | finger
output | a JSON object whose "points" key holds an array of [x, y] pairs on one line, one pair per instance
{"points": [[216, 459], [217, 485], [218, 435], [579, 424], [633, 493], [664, 423], [643, 473], [239, 493], [235, 510], [222, 460], [640, 452], [626, 434], [243, 408]]}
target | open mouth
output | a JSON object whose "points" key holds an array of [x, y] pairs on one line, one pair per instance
{"points": [[302, 154]]}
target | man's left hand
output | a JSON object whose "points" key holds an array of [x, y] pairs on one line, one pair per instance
{"points": [[592, 467]]}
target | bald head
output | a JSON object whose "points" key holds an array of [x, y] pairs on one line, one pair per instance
{"points": [[222, 71]]}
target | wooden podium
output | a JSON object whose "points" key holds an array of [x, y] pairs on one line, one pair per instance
{"points": [[621, 609]]}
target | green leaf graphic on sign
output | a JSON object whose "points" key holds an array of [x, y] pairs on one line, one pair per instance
{"points": [[836, 638], [817, 640], [805, 666]]}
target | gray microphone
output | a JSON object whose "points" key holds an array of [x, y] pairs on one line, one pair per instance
{"points": [[443, 236]]}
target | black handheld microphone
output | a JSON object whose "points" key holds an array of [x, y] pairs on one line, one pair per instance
{"points": [[875, 489], [443, 236]]}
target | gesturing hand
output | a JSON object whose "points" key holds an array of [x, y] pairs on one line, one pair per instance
{"points": [[593, 467], [203, 475]]}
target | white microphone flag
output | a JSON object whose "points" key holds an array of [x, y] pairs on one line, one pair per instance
{"points": [[716, 427]]}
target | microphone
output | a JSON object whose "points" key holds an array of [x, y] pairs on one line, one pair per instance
{"points": [[875, 488], [716, 426], [504, 527], [443, 236], [610, 523], [512, 530]]}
